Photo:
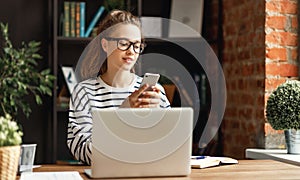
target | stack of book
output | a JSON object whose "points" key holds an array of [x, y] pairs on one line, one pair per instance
{"points": [[73, 19]]}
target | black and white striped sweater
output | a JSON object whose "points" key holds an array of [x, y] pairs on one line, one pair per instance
{"points": [[95, 94]]}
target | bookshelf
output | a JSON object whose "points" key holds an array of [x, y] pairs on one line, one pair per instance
{"points": [[67, 50]]}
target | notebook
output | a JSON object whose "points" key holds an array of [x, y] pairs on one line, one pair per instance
{"points": [[141, 142], [211, 161]]}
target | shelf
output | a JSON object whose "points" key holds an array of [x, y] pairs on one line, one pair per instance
{"points": [[67, 51], [84, 39], [152, 39], [73, 40], [174, 39]]}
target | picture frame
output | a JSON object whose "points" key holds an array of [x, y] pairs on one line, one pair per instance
{"points": [[70, 77], [189, 13], [151, 27], [27, 156]]}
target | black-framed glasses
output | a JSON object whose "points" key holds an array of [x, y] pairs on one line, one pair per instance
{"points": [[124, 44]]}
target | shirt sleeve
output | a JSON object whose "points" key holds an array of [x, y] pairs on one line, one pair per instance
{"points": [[80, 125]]}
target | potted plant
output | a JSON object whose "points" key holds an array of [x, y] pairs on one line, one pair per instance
{"points": [[283, 113], [114, 4], [10, 139], [19, 78]]}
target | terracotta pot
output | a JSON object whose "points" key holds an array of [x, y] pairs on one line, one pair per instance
{"points": [[170, 90]]}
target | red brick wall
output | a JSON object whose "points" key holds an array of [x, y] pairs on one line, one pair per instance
{"points": [[260, 52], [281, 54], [244, 69]]}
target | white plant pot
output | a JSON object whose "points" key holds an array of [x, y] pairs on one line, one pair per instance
{"points": [[292, 138]]}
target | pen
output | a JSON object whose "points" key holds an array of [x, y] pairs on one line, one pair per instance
{"points": [[198, 157]]}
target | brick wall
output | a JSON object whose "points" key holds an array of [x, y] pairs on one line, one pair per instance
{"points": [[281, 54], [260, 52], [244, 69]]}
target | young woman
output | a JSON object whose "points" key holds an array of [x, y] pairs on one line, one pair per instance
{"points": [[116, 84]]}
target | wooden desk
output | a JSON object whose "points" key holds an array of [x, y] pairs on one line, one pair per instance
{"points": [[246, 169], [275, 154]]}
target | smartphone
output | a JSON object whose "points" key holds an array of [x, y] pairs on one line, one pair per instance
{"points": [[150, 79]]}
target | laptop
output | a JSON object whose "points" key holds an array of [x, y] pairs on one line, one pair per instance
{"points": [[141, 142]]}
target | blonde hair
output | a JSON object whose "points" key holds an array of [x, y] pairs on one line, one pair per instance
{"points": [[113, 18]]}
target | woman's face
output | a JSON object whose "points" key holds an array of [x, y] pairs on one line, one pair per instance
{"points": [[122, 59]]}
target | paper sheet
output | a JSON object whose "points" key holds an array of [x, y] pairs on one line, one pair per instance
{"points": [[70, 175]]}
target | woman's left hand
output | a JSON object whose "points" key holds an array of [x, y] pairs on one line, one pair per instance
{"points": [[143, 98], [150, 98]]}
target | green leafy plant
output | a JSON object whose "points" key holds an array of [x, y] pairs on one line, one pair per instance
{"points": [[164, 80], [10, 134], [114, 4], [19, 76], [283, 106]]}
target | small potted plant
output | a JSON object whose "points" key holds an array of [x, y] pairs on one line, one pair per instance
{"points": [[283, 113], [19, 78], [10, 140]]}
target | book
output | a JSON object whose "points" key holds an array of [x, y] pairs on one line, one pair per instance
{"points": [[94, 21], [77, 18], [66, 24], [201, 162], [72, 18], [82, 19]]}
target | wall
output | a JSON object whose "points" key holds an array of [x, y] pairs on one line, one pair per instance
{"points": [[29, 21], [244, 69], [281, 54], [260, 40]]}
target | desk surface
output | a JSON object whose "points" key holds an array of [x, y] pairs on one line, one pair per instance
{"points": [[246, 169], [275, 154]]}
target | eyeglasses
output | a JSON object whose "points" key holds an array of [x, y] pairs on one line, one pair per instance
{"points": [[124, 44]]}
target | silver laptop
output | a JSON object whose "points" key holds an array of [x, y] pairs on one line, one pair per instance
{"points": [[141, 142]]}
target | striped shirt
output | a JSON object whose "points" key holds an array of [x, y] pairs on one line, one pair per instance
{"points": [[91, 94]]}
